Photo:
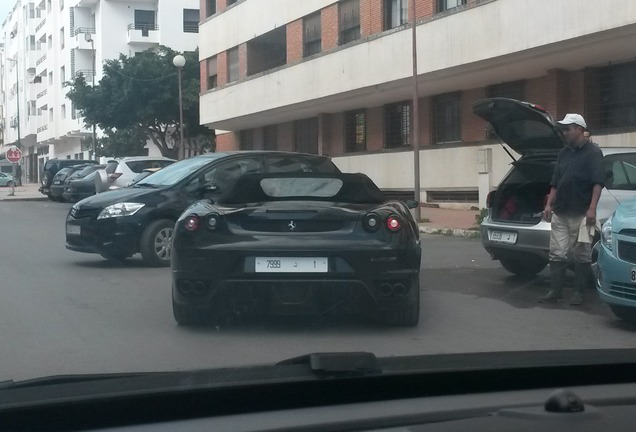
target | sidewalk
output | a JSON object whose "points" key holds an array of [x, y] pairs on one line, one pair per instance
{"points": [[26, 192], [449, 222]]}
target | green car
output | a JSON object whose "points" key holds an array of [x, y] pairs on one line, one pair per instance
{"points": [[6, 179]]}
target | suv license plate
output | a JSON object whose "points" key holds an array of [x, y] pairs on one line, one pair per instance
{"points": [[73, 229], [503, 237]]}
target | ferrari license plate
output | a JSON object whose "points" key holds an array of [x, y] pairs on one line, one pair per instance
{"points": [[290, 265], [73, 229], [503, 237]]}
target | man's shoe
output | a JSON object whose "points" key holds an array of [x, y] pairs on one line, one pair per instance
{"points": [[576, 300], [551, 296]]}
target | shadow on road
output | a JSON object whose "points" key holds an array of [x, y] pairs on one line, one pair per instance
{"points": [[101, 263]]}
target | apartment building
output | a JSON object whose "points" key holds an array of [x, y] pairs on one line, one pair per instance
{"points": [[49, 42], [335, 78]]}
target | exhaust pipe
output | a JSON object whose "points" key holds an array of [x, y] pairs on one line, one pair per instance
{"points": [[199, 287], [185, 287], [386, 289], [399, 290]]}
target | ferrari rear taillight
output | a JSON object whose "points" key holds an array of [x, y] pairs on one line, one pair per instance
{"points": [[191, 223], [393, 223]]}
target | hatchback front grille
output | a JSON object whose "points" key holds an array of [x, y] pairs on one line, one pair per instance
{"points": [[627, 251]]}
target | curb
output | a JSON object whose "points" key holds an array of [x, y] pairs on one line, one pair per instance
{"points": [[9, 199], [455, 232]]}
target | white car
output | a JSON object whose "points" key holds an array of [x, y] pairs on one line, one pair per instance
{"points": [[119, 172]]}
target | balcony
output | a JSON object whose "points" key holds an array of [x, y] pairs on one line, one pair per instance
{"points": [[40, 60], [42, 94], [143, 34], [88, 74], [81, 34], [42, 23]]}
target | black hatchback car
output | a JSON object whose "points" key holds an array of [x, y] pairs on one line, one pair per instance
{"points": [[119, 223], [52, 166]]}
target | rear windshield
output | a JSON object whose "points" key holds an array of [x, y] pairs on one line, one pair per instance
{"points": [[620, 171], [305, 187], [111, 167], [140, 165], [63, 172]]}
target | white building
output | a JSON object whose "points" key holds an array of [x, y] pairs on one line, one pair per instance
{"points": [[337, 80], [49, 42]]}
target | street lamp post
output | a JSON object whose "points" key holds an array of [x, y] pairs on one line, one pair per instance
{"points": [[89, 38], [179, 61], [416, 117], [17, 116]]}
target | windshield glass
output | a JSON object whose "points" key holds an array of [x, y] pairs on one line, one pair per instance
{"points": [[335, 186], [176, 172]]}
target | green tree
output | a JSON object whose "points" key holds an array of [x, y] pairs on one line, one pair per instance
{"points": [[140, 94], [123, 142]]}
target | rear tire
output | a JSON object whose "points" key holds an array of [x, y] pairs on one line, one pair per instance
{"points": [[406, 316], [156, 243], [624, 312], [188, 316], [524, 268], [10, 183]]}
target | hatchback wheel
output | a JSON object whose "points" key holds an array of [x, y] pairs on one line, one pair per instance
{"points": [[10, 183], [526, 267], [156, 243], [624, 312]]}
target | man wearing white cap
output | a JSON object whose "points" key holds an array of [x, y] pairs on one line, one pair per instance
{"points": [[575, 189]]}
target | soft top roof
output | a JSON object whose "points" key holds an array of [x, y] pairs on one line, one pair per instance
{"points": [[355, 189]]}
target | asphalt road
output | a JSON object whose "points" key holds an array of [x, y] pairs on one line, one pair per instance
{"points": [[62, 312]]}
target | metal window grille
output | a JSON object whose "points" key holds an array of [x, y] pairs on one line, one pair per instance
{"points": [[232, 64], [191, 20], [355, 131], [396, 13], [349, 20], [443, 5], [212, 73], [610, 96], [210, 8], [447, 118], [270, 137], [306, 136], [397, 125], [71, 27], [312, 39]]}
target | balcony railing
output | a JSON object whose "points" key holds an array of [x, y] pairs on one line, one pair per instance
{"points": [[41, 24], [43, 128], [42, 93], [40, 60], [143, 27], [87, 73], [80, 30]]}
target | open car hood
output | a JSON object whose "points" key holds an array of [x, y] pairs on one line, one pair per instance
{"points": [[525, 127]]}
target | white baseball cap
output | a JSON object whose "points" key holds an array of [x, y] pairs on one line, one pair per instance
{"points": [[576, 119]]}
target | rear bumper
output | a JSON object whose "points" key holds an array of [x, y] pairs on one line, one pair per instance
{"points": [[530, 239], [356, 280]]}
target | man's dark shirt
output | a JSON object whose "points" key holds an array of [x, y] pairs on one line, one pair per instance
{"points": [[576, 172]]}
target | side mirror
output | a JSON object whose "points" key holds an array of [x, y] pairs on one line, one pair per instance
{"points": [[209, 188], [411, 203]]}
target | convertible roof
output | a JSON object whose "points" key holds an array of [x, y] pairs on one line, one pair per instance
{"points": [[356, 189]]}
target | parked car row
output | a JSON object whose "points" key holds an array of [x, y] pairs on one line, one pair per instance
{"points": [[514, 231], [254, 232], [73, 180]]}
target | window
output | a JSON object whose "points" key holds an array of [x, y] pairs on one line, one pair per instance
{"points": [[270, 137], [144, 20], [349, 20], [396, 13], [62, 75], [312, 39], [610, 96], [212, 73], [31, 110], [31, 10], [63, 111], [232, 65], [397, 125], [210, 8], [224, 175], [50, 78], [50, 42], [62, 38], [447, 118], [191, 20], [61, 4], [512, 90], [247, 140], [306, 136], [355, 131], [51, 114], [32, 43], [443, 5], [230, 2], [267, 51]]}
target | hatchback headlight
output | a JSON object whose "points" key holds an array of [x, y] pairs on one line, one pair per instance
{"points": [[606, 233], [119, 210]]}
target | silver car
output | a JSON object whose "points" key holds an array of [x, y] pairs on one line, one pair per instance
{"points": [[514, 231], [119, 172]]}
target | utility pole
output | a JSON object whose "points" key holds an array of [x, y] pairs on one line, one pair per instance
{"points": [[416, 117]]}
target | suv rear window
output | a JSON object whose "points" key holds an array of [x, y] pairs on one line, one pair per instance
{"points": [[111, 167], [140, 165]]}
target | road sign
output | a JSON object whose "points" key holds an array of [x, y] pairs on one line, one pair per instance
{"points": [[14, 155]]}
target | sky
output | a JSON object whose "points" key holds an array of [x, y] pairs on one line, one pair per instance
{"points": [[5, 7]]}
